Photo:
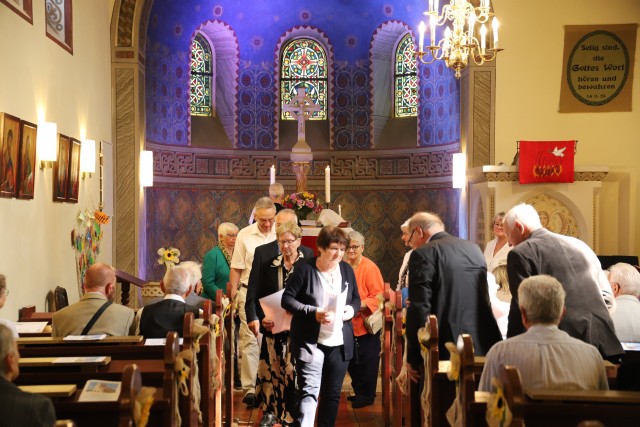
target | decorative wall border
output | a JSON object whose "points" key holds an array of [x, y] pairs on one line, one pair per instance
{"points": [[187, 162]]}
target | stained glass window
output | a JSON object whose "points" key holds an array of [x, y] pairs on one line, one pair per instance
{"points": [[304, 65], [201, 77], [406, 79]]}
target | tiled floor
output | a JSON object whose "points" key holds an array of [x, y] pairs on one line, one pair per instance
{"points": [[370, 416]]}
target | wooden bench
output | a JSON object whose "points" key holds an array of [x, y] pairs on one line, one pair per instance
{"points": [[99, 414], [387, 355], [120, 412], [551, 408]]}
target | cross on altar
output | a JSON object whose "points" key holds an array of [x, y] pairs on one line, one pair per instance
{"points": [[301, 107]]}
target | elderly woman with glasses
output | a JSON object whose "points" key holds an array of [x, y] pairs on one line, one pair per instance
{"points": [[323, 297], [4, 292], [495, 253], [275, 384], [363, 369], [215, 266]]}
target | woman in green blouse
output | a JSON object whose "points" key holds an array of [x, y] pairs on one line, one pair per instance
{"points": [[215, 266]]}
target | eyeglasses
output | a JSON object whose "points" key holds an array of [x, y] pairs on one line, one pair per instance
{"points": [[266, 220], [498, 224], [353, 247], [287, 242], [231, 235]]}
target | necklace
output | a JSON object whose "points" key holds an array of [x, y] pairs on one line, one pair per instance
{"points": [[227, 257]]}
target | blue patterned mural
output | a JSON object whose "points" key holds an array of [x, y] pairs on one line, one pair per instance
{"points": [[258, 25]]}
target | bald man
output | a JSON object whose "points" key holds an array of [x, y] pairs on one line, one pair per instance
{"points": [[95, 313]]}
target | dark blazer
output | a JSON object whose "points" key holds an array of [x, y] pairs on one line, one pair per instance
{"points": [[262, 259], [448, 278], [303, 295], [21, 409], [165, 316], [570, 262]]}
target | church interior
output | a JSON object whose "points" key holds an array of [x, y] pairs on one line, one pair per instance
{"points": [[201, 85]]}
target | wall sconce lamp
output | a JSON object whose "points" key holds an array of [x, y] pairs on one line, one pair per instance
{"points": [[47, 144], [459, 176], [88, 158], [146, 168]]}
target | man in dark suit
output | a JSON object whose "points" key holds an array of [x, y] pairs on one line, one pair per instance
{"points": [[448, 278], [265, 254], [18, 408], [168, 315], [539, 251]]}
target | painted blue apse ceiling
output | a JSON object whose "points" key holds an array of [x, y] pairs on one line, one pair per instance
{"points": [[259, 25]]}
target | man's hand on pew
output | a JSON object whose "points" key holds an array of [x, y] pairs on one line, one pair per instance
{"points": [[413, 374], [254, 326]]}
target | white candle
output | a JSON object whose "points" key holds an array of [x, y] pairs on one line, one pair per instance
{"points": [[432, 25], [340, 210], [272, 175], [483, 38], [327, 184], [421, 28], [495, 24], [472, 22]]}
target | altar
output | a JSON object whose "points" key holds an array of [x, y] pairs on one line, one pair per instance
{"points": [[310, 236]]}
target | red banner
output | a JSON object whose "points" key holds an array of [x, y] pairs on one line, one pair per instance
{"points": [[546, 161]]}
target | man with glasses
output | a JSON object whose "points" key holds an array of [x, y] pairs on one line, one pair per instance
{"points": [[448, 278], [248, 239]]}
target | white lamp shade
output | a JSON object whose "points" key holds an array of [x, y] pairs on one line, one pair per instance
{"points": [[459, 177], [88, 156], [146, 168], [47, 142]]}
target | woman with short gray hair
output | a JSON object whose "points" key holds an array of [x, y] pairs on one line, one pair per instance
{"points": [[215, 266]]}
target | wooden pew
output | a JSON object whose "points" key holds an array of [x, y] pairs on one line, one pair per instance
{"points": [[388, 377], [130, 348], [119, 413], [228, 366], [398, 400], [219, 377], [551, 408], [98, 414], [29, 314]]}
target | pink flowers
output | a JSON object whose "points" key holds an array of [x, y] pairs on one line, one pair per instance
{"points": [[303, 203]]}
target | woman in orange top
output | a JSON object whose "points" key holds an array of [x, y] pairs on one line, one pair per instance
{"points": [[363, 369]]}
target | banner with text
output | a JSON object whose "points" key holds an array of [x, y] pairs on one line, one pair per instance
{"points": [[546, 161], [597, 68]]}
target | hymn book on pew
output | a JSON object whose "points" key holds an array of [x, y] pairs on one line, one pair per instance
{"points": [[30, 327], [97, 337], [100, 391]]}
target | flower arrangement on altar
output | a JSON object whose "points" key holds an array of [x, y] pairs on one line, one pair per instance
{"points": [[303, 203], [169, 257]]}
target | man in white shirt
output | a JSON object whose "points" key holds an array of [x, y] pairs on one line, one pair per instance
{"points": [[249, 238], [625, 282], [545, 356]]}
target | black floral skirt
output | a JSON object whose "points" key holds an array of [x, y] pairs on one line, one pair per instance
{"points": [[276, 382]]}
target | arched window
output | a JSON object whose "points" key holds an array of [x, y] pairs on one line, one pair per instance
{"points": [[406, 79], [200, 82], [304, 64]]}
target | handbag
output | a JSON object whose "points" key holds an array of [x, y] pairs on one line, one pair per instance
{"points": [[373, 323]]}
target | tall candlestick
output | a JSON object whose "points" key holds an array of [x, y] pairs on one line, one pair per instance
{"points": [[272, 175], [340, 211], [327, 184], [421, 28]]}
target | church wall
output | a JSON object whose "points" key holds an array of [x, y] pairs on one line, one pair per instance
{"points": [[258, 26], [527, 98], [41, 81], [188, 218]]}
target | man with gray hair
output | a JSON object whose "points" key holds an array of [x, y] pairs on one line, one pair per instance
{"points": [[571, 261], [167, 315], [249, 238], [625, 282], [448, 278], [546, 356], [19, 408]]}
